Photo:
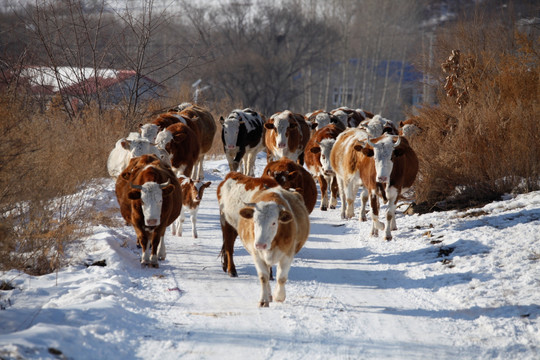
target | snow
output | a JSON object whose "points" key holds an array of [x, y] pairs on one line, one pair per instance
{"points": [[455, 284]]}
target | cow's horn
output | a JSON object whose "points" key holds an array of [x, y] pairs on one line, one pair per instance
{"points": [[138, 187], [249, 204], [396, 144], [370, 143], [161, 186]]}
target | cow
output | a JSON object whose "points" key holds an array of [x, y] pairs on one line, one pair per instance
{"points": [[233, 192], [291, 175], [320, 118], [378, 125], [343, 159], [287, 134], [409, 128], [273, 226], [182, 145], [242, 135], [349, 117], [150, 199], [192, 193], [127, 148], [317, 158], [388, 167], [149, 131], [203, 119]]}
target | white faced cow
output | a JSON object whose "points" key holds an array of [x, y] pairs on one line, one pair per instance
{"points": [[273, 227], [127, 148], [287, 134]]}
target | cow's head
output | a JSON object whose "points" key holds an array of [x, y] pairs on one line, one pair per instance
{"points": [[138, 147], [341, 118], [163, 138], [383, 150], [230, 130], [151, 195], [149, 131], [324, 148], [282, 123], [196, 187], [287, 179], [266, 217]]}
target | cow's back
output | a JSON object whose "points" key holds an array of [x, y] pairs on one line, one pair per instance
{"points": [[236, 190], [343, 157], [204, 120]]}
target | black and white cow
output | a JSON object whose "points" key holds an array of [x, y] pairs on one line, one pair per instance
{"points": [[242, 135]]}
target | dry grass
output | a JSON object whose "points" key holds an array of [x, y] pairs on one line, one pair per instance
{"points": [[491, 144]]}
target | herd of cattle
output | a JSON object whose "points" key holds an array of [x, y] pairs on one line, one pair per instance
{"points": [[159, 175]]}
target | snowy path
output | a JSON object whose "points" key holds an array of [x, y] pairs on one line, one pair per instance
{"points": [[349, 296]]}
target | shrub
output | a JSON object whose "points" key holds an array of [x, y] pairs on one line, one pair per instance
{"points": [[482, 138]]}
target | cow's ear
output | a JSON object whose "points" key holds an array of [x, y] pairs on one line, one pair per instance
{"points": [[285, 216], [316, 149], [358, 147], [134, 195], [207, 184], [314, 125], [368, 152], [221, 120], [269, 126], [167, 190], [140, 125], [125, 144], [247, 212]]}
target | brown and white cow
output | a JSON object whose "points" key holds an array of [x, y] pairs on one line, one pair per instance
{"points": [[232, 193], [343, 159], [290, 175], [182, 145], [317, 157], [287, 134], [273, 227], [150, 199], [409, 128], [388, 167], [192, 193], [378, 125], [203, 119]]}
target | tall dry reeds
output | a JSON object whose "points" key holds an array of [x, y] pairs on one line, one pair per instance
{"points": [[482, 138]]}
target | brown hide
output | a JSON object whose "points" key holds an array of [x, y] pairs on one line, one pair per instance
{"points": [[184, 148], [229, 231], [298, 134], [206, 124], [291, 175], [191, 197], [139, 171]]}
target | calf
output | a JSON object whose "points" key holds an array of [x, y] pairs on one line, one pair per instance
{"points": [[273, 227], [150, 199], [242, 136], [387, 167], [317, 157], [286, 135], [291, 175], [232, 193], [192, 193], [182, 145]]}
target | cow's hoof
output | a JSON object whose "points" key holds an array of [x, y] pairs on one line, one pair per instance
{"points": [[332, 207], [388, 238], [324, 208], [233, 273], [155, 266], [264, 304]]}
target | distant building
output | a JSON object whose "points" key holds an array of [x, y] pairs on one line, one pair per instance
{"points": [[83, 85]]}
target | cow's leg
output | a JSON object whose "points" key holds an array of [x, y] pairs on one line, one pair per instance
{"points": [[177, 224], [142, 241], [364, 199], [251, 157], [341, 185], [334, 190], [351, 190], [162, 251], [323, 184], [282, 275], [376, 224], [391, 194], [193, 217], [264, 278], [156, 237], [227, 250]]}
